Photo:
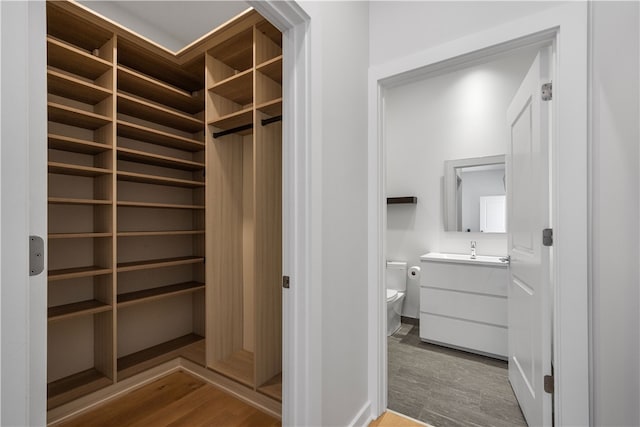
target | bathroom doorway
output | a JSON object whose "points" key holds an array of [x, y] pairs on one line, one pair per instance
{"points": [[570, 400], [446, 143]]}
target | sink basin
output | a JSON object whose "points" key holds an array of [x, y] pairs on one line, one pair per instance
{"points": [[464, 259]]}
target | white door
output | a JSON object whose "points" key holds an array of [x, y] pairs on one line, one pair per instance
{"points": [[492, 214], [528, 214]]}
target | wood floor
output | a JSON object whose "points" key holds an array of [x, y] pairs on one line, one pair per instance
{"points": [[177, 400], [391, 419]]}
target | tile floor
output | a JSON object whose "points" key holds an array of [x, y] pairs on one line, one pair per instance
{"points": [[446, 387]]}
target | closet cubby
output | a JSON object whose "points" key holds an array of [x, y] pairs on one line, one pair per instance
{"points": [[244, 253], [164, 240]]}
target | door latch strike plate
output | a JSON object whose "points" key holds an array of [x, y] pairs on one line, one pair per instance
{"points": [[285, 282], [547, 237], [547, 92], [548, 384], [36, 255]]}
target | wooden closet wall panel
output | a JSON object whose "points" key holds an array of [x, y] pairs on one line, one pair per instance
{"points": [[268, 249], [224, 247]]}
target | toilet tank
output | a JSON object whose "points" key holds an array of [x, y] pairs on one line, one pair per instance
{"points": [[397, 275]]}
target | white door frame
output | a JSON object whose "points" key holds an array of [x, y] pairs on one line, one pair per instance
{"points": [[24, 212], [566, 25], [299, 385], [23, 300]]}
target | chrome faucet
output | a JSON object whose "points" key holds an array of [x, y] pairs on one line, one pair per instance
{"points": [[473, 249]]}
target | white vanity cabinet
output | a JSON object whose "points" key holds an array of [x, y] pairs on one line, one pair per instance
{"points": [[463, 302]]}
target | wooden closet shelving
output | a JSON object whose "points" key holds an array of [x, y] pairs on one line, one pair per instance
{"points": [[77, 145], [245, 178], [164, 241], [80, 78], [152, 89], [81, 308], [159, 205], [74, 88], [160, 155], [73, 59], [146, 110], [146, 134]]}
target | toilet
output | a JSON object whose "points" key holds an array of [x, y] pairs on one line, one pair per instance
{"points": [[396, 289]]}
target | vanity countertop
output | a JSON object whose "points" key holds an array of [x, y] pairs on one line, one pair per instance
{"points": [[465, 259]]}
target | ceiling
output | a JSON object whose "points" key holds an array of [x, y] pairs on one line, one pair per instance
{"points": [[172, 24]]}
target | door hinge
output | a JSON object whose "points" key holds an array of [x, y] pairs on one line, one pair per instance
{"points": [[36, 255], [547, 91], [548, 384], [547, 237], [285, 282]]}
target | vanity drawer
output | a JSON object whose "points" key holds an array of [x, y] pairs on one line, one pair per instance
{"points": [[462, 305], [482, 279], [463, 334]]}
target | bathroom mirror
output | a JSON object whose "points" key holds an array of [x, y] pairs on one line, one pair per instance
{"points": [[475, 195]]}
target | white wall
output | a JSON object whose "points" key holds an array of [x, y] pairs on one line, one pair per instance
{"points": [[451, 116], [401, 28], [339, 61], [615, 215]]}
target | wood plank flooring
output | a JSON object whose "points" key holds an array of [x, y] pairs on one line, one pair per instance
{"points": [[391, 419], [177, 400]]}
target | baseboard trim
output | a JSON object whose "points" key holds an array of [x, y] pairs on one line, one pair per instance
{"points": [[247, 395], [72, 409], [364, 417], [410, 320]]}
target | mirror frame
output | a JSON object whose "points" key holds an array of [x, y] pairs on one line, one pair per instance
{"points": [[449, 196]]}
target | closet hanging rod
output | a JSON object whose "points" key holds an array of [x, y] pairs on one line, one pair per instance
{"points": [[271, 120], [232, 130]]}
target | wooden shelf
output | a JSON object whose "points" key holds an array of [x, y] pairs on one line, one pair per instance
{"points": [[158, 180], [402, 200], [70, 87], [71, 116], [146, 134], [76, 145], [158, 293], [147, 87], [157, 160], [68, 169], [158, 205], [272, 69], [158, 263], [272, 388], [69, 201], [271, 108], [77, 61], [70, 388], [159, 233], [234, 120], [237, 88], [187, 346], [236, 52], [76, 272], [78, 235], [75, 309], [145, 110], [238, 366]]}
